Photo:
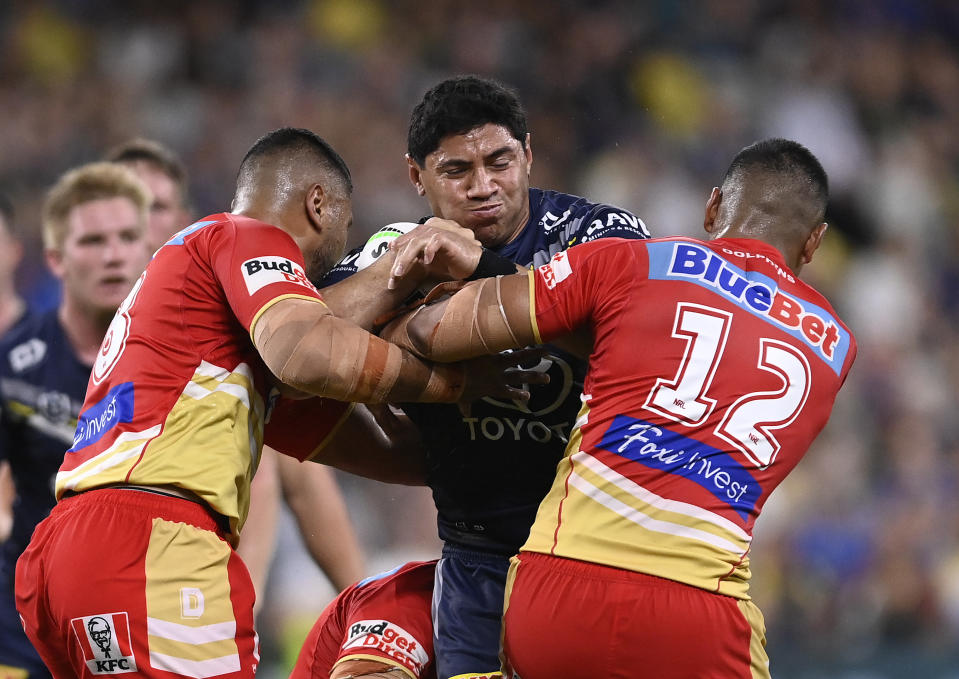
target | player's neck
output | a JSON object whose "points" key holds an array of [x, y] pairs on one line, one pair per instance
{"points": [[84, 329]]}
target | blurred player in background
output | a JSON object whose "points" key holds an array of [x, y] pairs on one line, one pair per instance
{"points": [[12, 310], [12, 306], [94, 236], [469, 155], [713, 369], [379, 627], [135, 569], [310, 491]]}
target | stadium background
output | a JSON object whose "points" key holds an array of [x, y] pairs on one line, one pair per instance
{"points": [[640, 104]]}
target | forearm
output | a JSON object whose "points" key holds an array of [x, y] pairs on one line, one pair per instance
{"points": [[364, 297], [258, 538], [484, 317], [377, 444], [313, 351], [312, 494]]}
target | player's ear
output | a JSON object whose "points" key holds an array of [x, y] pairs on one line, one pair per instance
{"points": [[712, 209], [316, 199], [54, 260], [415, 171], [529, 154], [813, 241]]}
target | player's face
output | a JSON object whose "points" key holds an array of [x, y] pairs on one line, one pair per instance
{"points": [[336, 217], [167, 212], [480, 180], [102, 255]]}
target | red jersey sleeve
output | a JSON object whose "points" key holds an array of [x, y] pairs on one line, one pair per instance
{"points": [[258, 264], [301, 428], [580, 283], [389, 619]]}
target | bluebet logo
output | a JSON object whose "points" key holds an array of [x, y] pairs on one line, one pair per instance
{"points": [[660, 448], [101, 417], [754, 292]]}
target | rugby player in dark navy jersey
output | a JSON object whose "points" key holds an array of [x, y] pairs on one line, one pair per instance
{"points": [[94, 234], [469, 155]]}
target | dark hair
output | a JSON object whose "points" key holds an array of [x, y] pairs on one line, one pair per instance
{"points": [[293, 141], [784, 157], [152, 152], [460, 104]]}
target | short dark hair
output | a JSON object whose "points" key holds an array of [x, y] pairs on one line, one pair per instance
{"points": [[458, 105], [293, 141], [152, 152], [784, 157]]}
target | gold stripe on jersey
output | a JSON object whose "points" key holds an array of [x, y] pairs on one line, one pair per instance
{"points": [[532, 306], [593, 513], [209, 444], [758, 658], [190, 619], [256, 316], [103, 469]]}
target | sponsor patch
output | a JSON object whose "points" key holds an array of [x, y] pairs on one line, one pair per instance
{"points": [[105, 642], [754, 292], [556, 270], [661, 448], [101, 417], [391, 640], [262, 271]]}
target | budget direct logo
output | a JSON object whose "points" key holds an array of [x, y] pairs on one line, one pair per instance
{"points": [[105, 642], [262, 271], [755, 293], [388, 638]]}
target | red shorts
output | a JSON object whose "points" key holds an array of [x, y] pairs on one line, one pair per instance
{"points": [[571, 619], [131, 583]]}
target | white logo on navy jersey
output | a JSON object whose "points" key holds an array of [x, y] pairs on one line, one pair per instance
{"points": [[27, 355]]}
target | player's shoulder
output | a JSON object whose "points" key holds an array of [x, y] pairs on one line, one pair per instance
{"points": [[579, 219], [409, 572], [29, 342]]}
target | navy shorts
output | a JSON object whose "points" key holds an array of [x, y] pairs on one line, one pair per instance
{"points": [[18, 658], [468, 595]]}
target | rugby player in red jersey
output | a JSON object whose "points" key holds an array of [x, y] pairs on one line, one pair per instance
{"points": [[378, 627], [134, 571], [712, 370]]}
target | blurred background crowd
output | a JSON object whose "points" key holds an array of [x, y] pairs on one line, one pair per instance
{"points": [[639, 104]]}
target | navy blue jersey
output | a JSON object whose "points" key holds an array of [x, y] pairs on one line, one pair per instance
{"points": [[42, 385], [489, 471]]}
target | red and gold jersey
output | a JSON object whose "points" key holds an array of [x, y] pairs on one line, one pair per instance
{"points": [[178, 395], [385, 617], [713, 369]]}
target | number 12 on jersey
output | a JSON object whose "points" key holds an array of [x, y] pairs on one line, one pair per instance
{"points": [[750, 423]]}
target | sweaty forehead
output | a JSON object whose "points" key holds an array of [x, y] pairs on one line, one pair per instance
{"points": [[473, 145]]}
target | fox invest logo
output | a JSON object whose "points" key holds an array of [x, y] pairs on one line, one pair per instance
{"points": [[105, 642]]}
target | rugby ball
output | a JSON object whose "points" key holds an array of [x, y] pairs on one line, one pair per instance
{"points": [[379, 243]]}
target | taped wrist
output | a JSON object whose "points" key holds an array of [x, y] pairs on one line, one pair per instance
{"points": [[491, 264]]}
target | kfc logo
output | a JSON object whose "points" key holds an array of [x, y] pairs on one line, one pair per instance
{"points": [[105, 642], [262, 271]]}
